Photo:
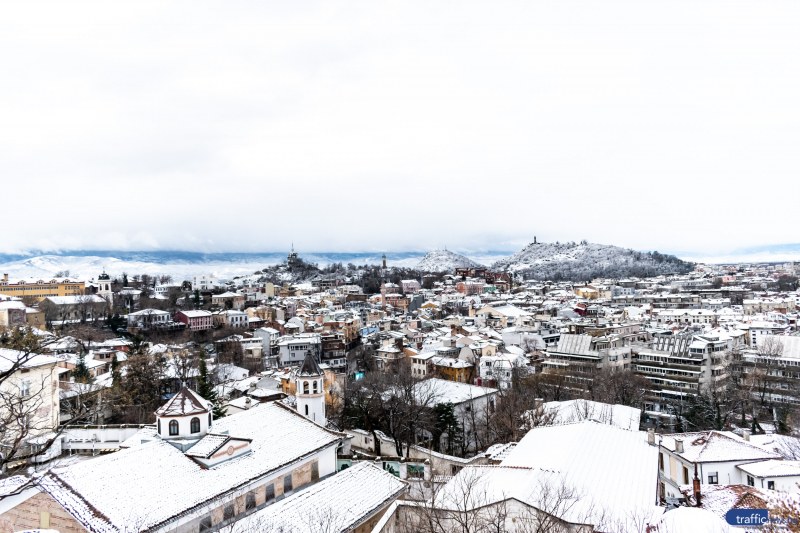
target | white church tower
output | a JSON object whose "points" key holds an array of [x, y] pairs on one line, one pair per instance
{"points": [[310, 394], [104, 288]]}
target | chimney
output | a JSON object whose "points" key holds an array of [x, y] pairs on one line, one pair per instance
{"points": [[746, 434], [5, 278], [696, 487], [651, 437], [678, 445]]}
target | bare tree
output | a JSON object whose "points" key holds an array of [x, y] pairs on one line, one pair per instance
{"points": [[474, 501], [29, 414]]}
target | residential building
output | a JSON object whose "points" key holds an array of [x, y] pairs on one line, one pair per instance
{"points": [[195, 320], [716, 454], [292, 350], [229, 300], [149, 319], [679, 366], [30, 399], [231, 319], [82, 308]]}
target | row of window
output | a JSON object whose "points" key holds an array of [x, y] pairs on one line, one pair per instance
{"points": [[174, 428], [229, 511]]}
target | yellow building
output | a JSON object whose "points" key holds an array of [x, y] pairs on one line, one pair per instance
{"points": [[453, 369], [41, 289]]}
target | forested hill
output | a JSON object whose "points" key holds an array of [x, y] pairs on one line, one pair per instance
{"points": [[585, 261]]}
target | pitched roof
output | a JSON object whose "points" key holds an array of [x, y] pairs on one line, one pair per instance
{"points": [[154, 482], [336, 504], [185, 402], [715, 447], [309, 366], [585, 452]]}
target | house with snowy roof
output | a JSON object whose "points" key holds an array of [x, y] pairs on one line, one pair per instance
{"points": [[581, 477], [716, 454], [195, 320], [188, 473]]}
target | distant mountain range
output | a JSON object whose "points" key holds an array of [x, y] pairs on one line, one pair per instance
{"points": [[586, 261]]}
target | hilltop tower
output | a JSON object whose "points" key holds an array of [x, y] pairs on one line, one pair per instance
{"points": [[310, 393], [292, 259]]}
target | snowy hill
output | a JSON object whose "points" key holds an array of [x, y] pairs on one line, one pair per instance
{"points": [[444, 260], [585, 261]]}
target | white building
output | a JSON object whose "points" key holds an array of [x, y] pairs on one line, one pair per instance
{"points": [[292, 350], [149, 318], [717, 455], [205, 283]]}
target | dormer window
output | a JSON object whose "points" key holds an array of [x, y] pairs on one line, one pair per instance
{"points": [[173, 427], [195, 425]]}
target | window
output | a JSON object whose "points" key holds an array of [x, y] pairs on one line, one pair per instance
{"points": [[250, 502], [195, 425], [287, 483], [173, 427], [751, 481], [205, 524], [661, 461], [25, 388], [228, 513], [159, 426], [209, 419], [713, 478], [685, 475], [306, 410], [771, 485], [269, 494], [314, 471], [415, 471], [316, 390], [305, 387]]}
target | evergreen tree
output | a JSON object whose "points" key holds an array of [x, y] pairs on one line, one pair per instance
{"points": [[206, 389], [81, 372], [116, 375]]}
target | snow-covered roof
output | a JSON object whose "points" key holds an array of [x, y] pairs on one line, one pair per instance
{"points": [[338, 503], [8, 358], [715, 447], [185, 402], [76, 299], [613, 468], [569, 411], [772, 468], [446, 391], [154, 482], [719, 499], [684, 519], [195, 313]]}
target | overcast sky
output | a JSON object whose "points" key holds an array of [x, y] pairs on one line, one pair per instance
{"points": [[244, 126]]}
